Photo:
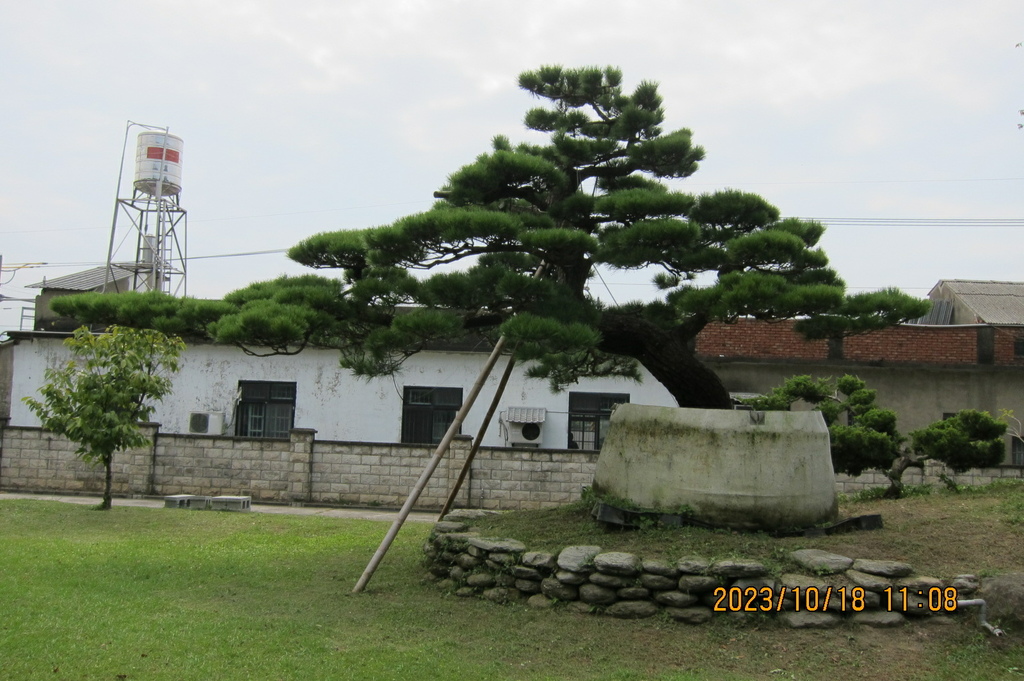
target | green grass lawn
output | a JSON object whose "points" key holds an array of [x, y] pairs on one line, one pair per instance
{"points": [[138, 593]]}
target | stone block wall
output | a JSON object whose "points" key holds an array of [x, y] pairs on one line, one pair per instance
{"points": [[33, 459], [929, 475], [302, 469]]}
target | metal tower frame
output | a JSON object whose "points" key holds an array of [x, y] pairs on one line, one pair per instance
{"points": [[160, 228]]}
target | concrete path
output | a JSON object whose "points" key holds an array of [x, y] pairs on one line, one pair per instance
{"points": [[328, 512]]}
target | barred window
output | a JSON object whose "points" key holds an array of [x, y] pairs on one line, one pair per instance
{"points": [[265, 409], [589, 414], [428, 412]]}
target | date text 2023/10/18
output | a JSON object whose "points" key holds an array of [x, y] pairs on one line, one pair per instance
{"points": [[842, 599]]}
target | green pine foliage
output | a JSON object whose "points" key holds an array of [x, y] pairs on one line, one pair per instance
{"points": [[870, 440], [969, 439], [603, 190]]}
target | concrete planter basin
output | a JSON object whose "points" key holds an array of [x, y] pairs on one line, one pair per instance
{"points": [[738, 469]]}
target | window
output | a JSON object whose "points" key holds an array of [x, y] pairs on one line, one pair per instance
{"points": [[588, 417], [265, 409], [1016, 451], [1018, 347], [427, 413]]}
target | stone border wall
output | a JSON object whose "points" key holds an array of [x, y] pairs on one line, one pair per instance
{"points": [[302, 469], [691, 589]]}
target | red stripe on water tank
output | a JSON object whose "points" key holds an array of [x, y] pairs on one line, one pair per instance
{"points": [[166, 154]]}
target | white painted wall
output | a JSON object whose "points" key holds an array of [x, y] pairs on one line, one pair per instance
{"points": [[330, 399]]}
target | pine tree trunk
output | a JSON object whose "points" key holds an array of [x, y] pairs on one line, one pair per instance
{"points": [[669, 357], [895, 475]]}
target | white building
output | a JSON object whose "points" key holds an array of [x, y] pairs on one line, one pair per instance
{"points": [[221, 390]]}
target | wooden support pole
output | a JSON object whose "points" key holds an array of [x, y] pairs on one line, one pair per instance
{"points": [[479, 435], [439, 453]]}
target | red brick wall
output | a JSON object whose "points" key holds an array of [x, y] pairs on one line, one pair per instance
{"points": [[748, 338], [1005, 338], [751, 339], [909, 343]]}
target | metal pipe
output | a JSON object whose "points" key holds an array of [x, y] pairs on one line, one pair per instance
{"points": [[982, 615]]}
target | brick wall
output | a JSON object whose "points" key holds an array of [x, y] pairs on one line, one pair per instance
{"points": [[752, 339]]}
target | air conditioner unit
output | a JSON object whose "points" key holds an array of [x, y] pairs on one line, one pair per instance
{"points": [[206, 423], [523, 426]]}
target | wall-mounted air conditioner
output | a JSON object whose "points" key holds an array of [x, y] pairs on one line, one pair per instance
{"points": [[523, 426], [206, 423]]}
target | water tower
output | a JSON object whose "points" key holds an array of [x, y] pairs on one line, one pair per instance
{"points": [[148, 236]]}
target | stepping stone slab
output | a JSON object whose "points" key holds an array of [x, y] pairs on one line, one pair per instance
{"points": [[693, 565], [527, 586], [497, 545], [883, 568], [597, 595], [920, 583], [480, 580], [552, 588], [618, 563], [660, 567], [574, 578], [965, 584], [634, 593], [820, 561], [578, 558], [657, 582], [501, 594], [521, 572], [468, 514], [455, 540], [503, 558], [446, 527], [539, 560], [868, 581], [611, 581]]}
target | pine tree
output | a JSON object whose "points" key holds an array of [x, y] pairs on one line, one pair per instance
{"points": [[600, 193]]}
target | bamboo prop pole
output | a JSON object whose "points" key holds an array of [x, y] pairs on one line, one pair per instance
{"points": [[439, 453], [479, 435]]}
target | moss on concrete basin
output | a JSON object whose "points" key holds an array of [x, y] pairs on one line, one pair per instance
{"points": [[740, 469]]}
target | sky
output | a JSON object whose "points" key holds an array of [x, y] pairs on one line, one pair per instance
{"points": [[893, 121]]}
